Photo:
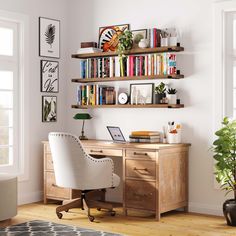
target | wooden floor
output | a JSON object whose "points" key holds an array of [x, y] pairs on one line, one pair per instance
{"points": [[171, 224]]}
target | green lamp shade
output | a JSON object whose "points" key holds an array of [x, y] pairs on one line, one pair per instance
{"points": [[82, 116]]}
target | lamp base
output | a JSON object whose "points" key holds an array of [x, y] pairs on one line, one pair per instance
{"points": [[83, 137]]}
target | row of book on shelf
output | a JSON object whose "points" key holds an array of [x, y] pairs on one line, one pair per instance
{"points": [[145, 137], [138, 65], [95, 94]]}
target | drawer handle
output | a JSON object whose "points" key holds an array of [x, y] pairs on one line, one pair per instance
{"points": [[96, 151], [142, 195], [140, 153], [141, 169]]}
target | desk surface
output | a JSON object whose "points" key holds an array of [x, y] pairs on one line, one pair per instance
{"points": [[111, 144]]}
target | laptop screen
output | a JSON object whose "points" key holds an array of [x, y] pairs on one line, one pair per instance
{"points": [[116, 134]]}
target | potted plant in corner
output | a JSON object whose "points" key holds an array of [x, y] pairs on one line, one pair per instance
{"points": [[160, 93], [224, 148], [125, 44], [171, 96]]}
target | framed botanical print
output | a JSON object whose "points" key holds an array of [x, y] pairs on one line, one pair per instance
{"points": [[138, 35], [108, 36], [49, 37], [49, 108], [49, 76]]}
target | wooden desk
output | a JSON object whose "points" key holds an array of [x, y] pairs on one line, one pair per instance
{"points": [[155, 176]]}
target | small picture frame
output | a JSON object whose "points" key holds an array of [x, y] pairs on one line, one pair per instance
{"points": [[108, 36], [116, 134], [49, 37], [138, 35], [49, 108], [49, 76], [141, 93]]}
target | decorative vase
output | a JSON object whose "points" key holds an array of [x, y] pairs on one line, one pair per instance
{"points": [[229, 209], [143, 43], [159, 97], [171, 98]]}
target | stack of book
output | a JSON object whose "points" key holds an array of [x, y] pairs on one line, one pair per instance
{"points": [[145, 137], [150, 64], [154, 36], [95, 94]]}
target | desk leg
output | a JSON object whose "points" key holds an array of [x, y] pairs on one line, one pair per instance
{"points": [[158, 216], [186, 208]]}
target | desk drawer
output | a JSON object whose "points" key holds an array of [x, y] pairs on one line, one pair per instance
{"points": [[54, 191], [140, 194], [48, 161], [138, 153], [103, 151], [140, 169]]}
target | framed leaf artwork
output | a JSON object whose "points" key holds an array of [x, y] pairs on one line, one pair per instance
{"points": [[49, 76], [108, 36], [49, 37], [49, 108]]}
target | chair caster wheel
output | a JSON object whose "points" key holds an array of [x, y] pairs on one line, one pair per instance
{"points": [[67, 211], [91, 218], [99, 209], [59, 215], [113, 213]]}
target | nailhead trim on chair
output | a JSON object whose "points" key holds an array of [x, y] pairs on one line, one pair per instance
{"points": [[75, 138]]}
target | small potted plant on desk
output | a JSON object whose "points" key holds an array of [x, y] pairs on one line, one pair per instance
{"points": [[160, 93], [171, 95], [224, 148]]}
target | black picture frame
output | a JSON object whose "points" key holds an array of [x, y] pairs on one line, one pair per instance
{"points": [[49, 76], [110, 33], [143, 99], [116, 134], [141, 31], [52, 38], [47, 108]]}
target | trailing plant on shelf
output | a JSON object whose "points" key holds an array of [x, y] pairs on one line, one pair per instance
{"points": [[224, 148], [160, 93], [171, 95], [125, 44]]}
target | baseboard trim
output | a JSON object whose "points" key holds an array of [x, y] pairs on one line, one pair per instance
{"points": [[25, 198], [205, 209]]}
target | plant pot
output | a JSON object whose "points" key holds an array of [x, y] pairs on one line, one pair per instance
{"points": [[171, 98], [229, 209], [159, 97]]}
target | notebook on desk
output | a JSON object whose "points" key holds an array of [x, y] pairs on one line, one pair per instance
{"points": [[116, 134]]}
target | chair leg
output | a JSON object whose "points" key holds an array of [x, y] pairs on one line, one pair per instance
{"points": [[102, 205], [87, 209], [68, 205]]}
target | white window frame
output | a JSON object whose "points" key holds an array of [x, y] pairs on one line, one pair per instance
{"points": [[219, 52], [22, 169]]}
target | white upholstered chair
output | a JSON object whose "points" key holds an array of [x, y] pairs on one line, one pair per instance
{"points": [[75, 169]]}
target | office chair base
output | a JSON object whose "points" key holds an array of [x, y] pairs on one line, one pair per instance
{"points": [[84, 204]]}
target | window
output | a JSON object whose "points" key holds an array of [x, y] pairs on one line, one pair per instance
{"points": [[13, 29]]}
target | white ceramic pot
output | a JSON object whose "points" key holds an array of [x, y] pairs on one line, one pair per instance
{"points": [[144, 43], [171, 98]]}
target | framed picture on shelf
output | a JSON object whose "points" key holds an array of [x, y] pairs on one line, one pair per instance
{"points": [[141, 93], [138, 35], [49, 37], [108, 36], [49, 76], [49, 108]]}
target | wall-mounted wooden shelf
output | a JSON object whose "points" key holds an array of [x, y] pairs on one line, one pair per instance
{"points": [[128, 78], [131, 52], [129, 106]]}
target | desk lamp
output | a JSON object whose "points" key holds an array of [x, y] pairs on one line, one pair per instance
{"points": [[82, 116]]}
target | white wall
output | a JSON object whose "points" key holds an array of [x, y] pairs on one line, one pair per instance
{"points": [[194, 21], [32, 189], [80, 20]]}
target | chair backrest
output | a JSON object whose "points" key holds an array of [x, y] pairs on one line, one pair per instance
{"points": [[69, 160]]}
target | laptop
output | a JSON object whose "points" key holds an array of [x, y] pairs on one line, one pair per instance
{"points": [[116, 134]]}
